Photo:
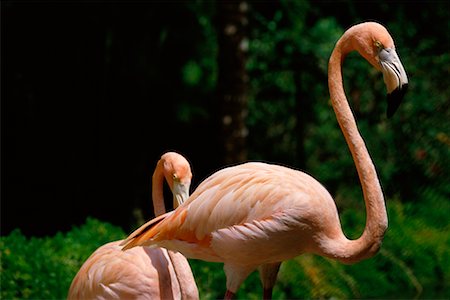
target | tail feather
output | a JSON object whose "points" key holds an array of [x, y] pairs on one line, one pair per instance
{"points": [[164, 227], [135, 238]]}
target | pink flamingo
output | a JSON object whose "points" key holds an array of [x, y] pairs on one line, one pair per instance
{"points": [[110, 273], [256, 215]]}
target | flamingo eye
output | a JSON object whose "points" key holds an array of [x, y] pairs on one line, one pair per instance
{"points": [[174, 176], [378, 45]]}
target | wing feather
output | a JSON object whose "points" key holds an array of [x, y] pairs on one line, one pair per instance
{"points": [[250, 193]]}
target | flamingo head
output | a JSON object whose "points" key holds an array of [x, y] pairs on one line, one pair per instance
{"points": [[177, 172], [375, 44]]}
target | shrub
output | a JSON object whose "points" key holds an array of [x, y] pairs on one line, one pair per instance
{"points": [[43, 268], [411, 264]]}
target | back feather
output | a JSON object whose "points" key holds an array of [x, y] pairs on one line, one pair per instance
{"points": [[134, 239]]}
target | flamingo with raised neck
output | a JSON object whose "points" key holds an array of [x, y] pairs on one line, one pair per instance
{"points": [[256, 215]]}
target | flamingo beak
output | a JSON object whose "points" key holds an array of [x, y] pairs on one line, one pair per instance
{"points": [[395, 78], [180, 192]]}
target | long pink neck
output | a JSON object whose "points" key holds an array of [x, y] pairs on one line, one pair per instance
{"points": [[179, 262], [188, 287], [376, 217], [157, 190]]}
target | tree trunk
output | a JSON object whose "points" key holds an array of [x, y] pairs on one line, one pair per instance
{"points": [[232, 79]]}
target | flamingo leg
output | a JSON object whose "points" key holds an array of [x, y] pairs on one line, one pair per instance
{"points": [[267, 294], [268, 274], [228, 295]]}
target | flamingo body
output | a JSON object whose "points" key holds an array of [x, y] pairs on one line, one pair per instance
{"points": [[255, 215], [273, 203], [142, 273], [232, 216]]}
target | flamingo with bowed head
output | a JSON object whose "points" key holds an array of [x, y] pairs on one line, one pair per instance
{"points": [[255, 215], [150, 273]]}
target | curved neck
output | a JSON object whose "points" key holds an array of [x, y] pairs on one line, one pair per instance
{"points": [[188, 287], [376, 216], [157, 190]]}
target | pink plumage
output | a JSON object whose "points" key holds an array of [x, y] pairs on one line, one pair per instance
{"points": [[142, 272], [255, 215]]}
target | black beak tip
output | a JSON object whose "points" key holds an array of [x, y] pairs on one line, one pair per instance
{"points": [[395, 99]]}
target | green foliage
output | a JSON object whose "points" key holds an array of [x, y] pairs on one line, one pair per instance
{"points": [[411, 264], [287, 65], [43, 268]]}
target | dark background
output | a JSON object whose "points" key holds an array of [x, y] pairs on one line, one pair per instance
{"points": [[94, 93], [88, 108]]}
